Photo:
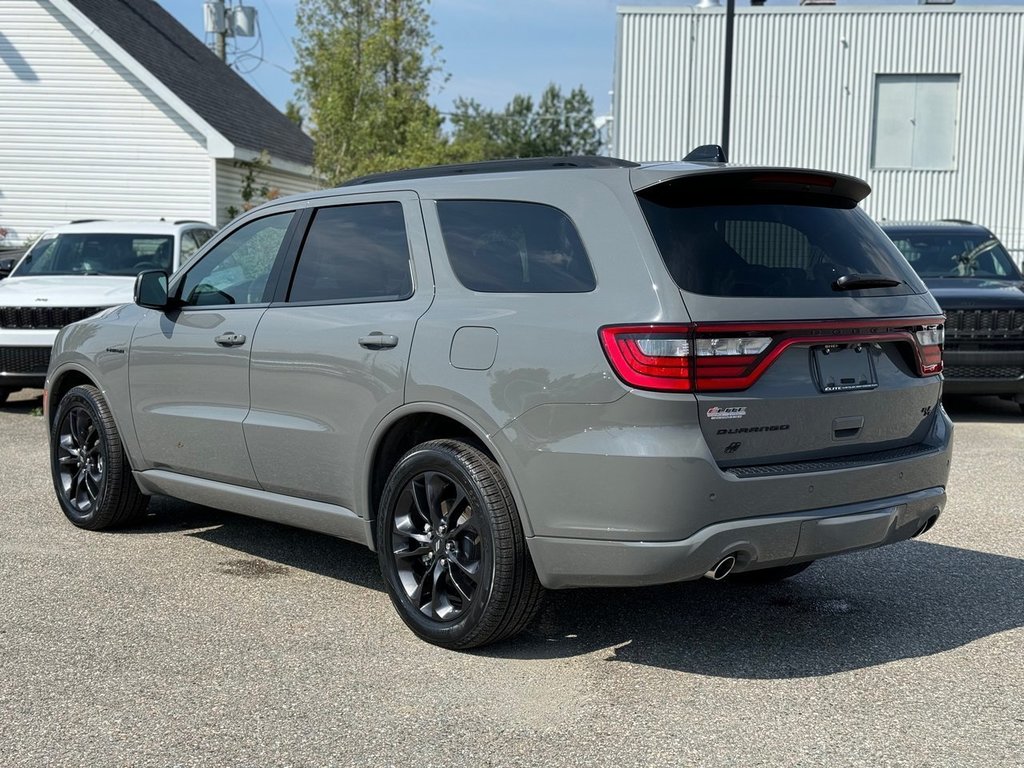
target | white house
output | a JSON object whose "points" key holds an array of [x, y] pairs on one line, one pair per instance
{"points": [[924, 102], [112, 109]]}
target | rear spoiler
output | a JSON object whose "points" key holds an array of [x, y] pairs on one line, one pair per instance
{"points": [[732, 179]]}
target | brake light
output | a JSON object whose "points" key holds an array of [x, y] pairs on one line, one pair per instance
{"points": [[650, 356], [929, 344], [732, 356]]}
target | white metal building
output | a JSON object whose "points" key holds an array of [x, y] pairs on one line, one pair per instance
{"points": [[112, 109], [924, 102]]}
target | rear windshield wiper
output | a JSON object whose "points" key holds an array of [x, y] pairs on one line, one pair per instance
{"points": [[854, 282]]}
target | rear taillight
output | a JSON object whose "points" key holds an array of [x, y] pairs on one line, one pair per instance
{"points": [[929, 346], [732, 356]]}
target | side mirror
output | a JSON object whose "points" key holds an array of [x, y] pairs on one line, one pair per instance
{"points": [[151, 289], [6, 267]]}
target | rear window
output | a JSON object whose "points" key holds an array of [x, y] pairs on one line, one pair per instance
{"points": [[498, 246], [955, 254], [739, 243]]}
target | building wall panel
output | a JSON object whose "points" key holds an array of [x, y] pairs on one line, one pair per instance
{"points": [[803, 95], [81, 137], [231, 177]]}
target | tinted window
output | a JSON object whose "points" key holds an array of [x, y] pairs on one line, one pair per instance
{"points": [[98, 254], [238, 268], [512, 247], [787, 246], [955, 254], [354, 252], [192, 240]]}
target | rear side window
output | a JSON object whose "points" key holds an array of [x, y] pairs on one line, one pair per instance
{"points": [[498, 246], [354, 253], [779, 245]]}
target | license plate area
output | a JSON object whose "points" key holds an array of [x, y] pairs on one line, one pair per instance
{"points": [[844, 368]]}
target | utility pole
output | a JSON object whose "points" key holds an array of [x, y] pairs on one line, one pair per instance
{"points": [[730, 12]]}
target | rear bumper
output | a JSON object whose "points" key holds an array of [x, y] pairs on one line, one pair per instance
{"points": [[760, 542]]}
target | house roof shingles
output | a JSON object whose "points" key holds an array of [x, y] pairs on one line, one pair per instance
{"points": [[173, 55]]}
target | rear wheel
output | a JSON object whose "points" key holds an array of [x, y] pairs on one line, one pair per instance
{"points": [[768, 575], [88, 463], [452, 550]]}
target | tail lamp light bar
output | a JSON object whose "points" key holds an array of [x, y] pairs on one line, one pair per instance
{"points": [[732, 356]]}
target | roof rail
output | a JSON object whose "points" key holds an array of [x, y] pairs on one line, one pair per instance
{"points": [[85, 221], [495, 166], [956, 221], [189, 221]]}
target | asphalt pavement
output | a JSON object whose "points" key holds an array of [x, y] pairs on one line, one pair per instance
{"points": [[201, 638]]}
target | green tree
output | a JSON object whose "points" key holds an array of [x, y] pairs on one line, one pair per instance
{"points": [[557, 125], [364, 71]]}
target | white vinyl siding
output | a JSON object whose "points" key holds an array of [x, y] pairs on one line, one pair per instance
{"points": [[81, 137], [915, 121], [804, 96], [229, 186]]}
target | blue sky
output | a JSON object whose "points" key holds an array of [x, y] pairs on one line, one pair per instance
{"points": [[492, 49]]}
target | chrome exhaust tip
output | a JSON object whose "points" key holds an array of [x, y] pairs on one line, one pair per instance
{"points": [[722, 568]]}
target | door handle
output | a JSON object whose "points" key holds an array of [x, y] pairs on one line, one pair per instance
{"points": [[378, 340], [231, 339]]}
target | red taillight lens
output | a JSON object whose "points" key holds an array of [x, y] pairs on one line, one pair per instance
{"points": [[732, 357], [929, 345], [650, 356]]}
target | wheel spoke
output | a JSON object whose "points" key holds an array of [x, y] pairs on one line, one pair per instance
{"points": [[440, 606], [471, 570], [453, 580], [427, 585], [406, 554], [454, 508]]}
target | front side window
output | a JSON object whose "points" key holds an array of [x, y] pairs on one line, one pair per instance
{"points": [[98, 254], [498, 246], [237, 270], [192, 240], [356, 252]]}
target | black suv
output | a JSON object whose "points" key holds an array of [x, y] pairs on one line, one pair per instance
{"points": [[981, 290]]}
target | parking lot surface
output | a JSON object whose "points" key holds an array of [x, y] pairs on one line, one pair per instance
{"points": [[201, 638]]}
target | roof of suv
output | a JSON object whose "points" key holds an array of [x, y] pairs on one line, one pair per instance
{"points": [[641, 175], [938, 225], [149, 227]]}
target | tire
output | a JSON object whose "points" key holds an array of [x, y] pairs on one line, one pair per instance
{"points": [[769, 575], [89, 466], [452, 550], [4, 393]]}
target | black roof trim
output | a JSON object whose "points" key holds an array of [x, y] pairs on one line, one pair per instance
{"points": [[495, 166]]}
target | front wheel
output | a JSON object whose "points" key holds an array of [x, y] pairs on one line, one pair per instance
{"points": [[452, 550], [88, 463], [4, 393]]}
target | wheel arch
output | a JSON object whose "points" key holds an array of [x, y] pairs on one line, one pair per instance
{"points": [[407, 427], [60, 384]]}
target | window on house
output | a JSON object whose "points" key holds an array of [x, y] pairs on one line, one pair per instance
{"points": [[915, 122]]}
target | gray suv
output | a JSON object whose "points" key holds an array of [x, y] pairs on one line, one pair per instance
{"points": [[518, 375]]}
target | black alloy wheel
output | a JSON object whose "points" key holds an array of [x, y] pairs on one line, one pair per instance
{"points": [[438, 546], [90, 469], [452, 549]]}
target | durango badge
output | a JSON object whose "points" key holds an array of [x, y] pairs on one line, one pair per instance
{"points": [[732, 412]]}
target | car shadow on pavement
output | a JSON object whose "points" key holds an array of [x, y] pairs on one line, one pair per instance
{"points": [[967, 408], [908, 600], [303, 550]]}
